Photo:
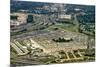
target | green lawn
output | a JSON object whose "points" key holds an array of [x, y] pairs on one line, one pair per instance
{"points": [[69, 27]]}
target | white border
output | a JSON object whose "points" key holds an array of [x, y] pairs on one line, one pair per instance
{"points": [[85, 2], [4, 33]]}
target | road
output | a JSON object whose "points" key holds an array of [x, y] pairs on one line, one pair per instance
{"points": [[19, 48]]}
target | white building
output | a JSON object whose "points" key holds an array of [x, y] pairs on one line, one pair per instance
{"points": [[67, 17], [14, 23], [21, 19]]}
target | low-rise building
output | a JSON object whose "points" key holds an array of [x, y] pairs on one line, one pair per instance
{"points": [[67, 17], [18, 19], [14, 23]]}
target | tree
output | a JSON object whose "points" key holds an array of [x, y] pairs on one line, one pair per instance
{"points": [[13, 17]]}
